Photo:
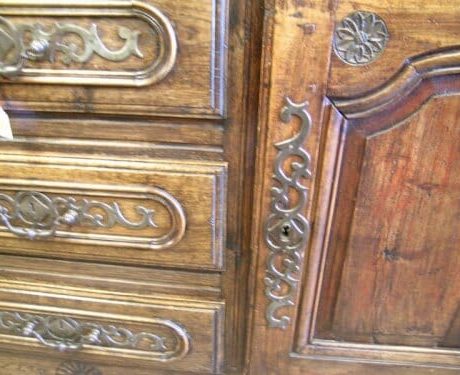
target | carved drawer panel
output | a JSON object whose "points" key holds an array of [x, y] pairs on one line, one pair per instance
{"points": [[116, 56], [167, 213], [76, 332]]}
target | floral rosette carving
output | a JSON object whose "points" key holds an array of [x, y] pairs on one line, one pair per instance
{"points": [[360, 38]]}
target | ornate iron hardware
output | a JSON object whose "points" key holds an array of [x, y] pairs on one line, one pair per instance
{"points": [[35, 215], [287, 229], [68, 334]]}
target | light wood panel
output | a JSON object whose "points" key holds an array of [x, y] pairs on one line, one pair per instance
{"points": [[179, 69], [165, 335], [164, 213]]}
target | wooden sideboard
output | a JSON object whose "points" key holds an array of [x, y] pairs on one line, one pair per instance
{"points": [[230, 187]]}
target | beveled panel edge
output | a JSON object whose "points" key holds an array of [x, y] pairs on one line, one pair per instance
{"points": [[306, 346], [162, 165], [219, 61], [114, 281], [147, 12], [218, 220], [380, 354], [416, 69]]}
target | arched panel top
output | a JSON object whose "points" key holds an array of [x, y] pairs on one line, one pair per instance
{"points": [[422, 77]]}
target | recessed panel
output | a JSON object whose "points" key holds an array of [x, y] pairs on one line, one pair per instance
{"points": [[391, 275]]}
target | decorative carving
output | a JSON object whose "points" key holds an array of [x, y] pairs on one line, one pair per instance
{"points": [[68, 334], [360, 38], [77, 368], [20, 43], [287, 230], [44, 45], [35, 215]]}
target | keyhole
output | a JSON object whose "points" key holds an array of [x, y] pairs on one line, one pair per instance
{"points": [[286, 231]]}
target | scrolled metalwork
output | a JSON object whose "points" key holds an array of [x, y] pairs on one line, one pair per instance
{"points": [[360, 38], [35, 215], [287, 229], [69, 334]]}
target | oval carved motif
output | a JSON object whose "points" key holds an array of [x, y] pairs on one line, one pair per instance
{"points": [[38, 215], [54, 43], [66, 334]]}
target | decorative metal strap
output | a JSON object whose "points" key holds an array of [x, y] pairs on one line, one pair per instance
{"points": [[287, 230], [68, 334]]}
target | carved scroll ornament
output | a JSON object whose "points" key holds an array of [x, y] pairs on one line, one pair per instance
{"points": [[45, 45], [69, 334], [22, 42], [35, 215], [287, 229]]}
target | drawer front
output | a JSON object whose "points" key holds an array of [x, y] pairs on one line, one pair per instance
{"points": [[69, 330], [116, 56], [167, 213]]}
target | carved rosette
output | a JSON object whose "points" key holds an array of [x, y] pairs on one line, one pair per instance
{"points": [[68, 334], [287, 229], [77, 368], [21, 43], [360, 38]]}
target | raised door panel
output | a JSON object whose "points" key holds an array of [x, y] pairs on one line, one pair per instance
{"points": [[358, 261], [385, 285], [392, 275]]}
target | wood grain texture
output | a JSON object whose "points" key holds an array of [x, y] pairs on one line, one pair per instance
{"points": [[399, 284], [347, 154], [372, 297], [193, 116], [196, 208], [200, 323], [194, 88], [388, 296], [415, 28], [296, 39]]}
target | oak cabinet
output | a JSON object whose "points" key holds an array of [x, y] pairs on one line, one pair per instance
{"points": [[357, 268], [230, 187]]}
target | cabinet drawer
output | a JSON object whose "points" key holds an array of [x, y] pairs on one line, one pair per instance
{"points": [[117, 56], [93, 332], [167, 213]]}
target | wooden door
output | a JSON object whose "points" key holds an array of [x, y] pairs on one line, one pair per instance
{"points": [[358, 202]]}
